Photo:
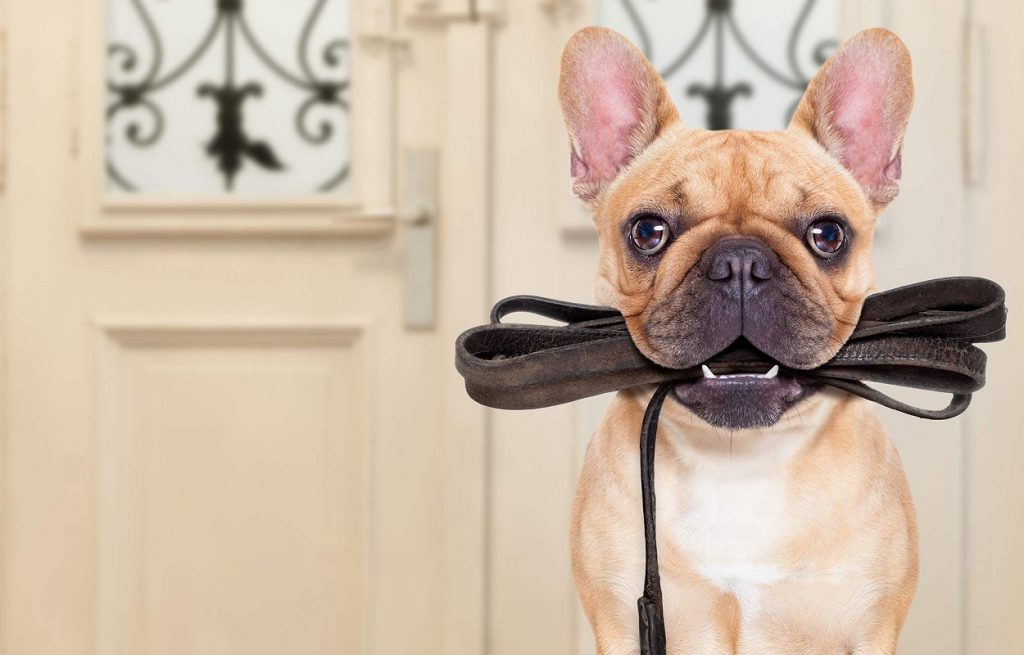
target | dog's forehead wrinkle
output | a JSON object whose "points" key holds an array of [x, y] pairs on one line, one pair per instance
{"points": [[678, 191], [739, 168]]}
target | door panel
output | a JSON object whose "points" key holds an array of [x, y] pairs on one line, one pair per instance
{"points": [[218, 437], [212, 537]]}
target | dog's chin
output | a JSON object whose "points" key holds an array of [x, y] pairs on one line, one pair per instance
{"points": [[744, 401]]}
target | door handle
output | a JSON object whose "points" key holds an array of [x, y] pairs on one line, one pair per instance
{"points": [[415, 215], [418, 216]]}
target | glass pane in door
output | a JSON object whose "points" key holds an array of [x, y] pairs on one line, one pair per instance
{"points": [[731, 63], [247, 97]]}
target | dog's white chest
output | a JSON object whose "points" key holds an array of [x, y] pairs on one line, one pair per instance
{"points": [[730, 529]]}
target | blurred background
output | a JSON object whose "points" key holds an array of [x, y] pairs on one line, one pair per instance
{"points": [[239, 238]]}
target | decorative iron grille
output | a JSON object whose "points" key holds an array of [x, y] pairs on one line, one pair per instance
{"points": [[733, 66], [141, 78]]}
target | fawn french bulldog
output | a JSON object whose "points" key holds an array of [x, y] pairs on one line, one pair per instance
{"points": [[785, 522]]}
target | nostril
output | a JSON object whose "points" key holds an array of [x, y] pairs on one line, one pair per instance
{"points": [[722, 268], [760, 270]]}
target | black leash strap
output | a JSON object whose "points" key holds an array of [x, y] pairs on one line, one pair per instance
{"points": [[919, 336], [650, 607]]}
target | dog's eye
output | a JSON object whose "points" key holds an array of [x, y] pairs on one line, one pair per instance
{"points": [[649, 234], [826, 238]]}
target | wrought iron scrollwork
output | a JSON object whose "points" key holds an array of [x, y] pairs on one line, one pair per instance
{"points": [[133, 94], [720, 94]]}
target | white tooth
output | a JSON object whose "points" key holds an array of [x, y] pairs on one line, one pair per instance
{"points": [[707, 372], [772, 372]]}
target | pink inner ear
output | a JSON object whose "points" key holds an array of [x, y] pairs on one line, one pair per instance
{"points": [[860, 101], [612, 114]]}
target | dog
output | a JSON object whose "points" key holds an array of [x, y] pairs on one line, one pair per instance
{"points": [[785, 524]]}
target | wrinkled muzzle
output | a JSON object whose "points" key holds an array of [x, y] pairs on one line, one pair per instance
{"points": [[738, 291]]}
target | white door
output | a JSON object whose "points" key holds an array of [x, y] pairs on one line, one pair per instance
{"points": [[962, 472], [231, 424]]}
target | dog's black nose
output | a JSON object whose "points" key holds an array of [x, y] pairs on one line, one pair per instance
{"points": [[740, 263]]}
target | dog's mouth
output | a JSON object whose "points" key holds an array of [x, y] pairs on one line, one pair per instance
{"points": [[745, 399]]}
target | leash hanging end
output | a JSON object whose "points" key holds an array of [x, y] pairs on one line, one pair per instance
{"points": [[652, 627]]}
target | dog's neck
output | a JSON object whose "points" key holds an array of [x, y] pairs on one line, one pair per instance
{"points": [[765, 450]]}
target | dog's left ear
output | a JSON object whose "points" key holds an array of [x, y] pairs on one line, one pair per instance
{"points": [[857, 108]]}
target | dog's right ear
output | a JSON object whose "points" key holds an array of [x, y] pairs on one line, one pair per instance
{"points": [[614, 103]]}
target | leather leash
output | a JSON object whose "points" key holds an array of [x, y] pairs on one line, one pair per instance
{"points": [[919, 336]]}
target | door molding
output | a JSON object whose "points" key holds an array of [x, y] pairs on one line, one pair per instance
{"points": [[463, 246]]}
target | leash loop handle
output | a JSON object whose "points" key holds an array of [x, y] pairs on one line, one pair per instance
{"points": [[919, 336], [559, 310]]}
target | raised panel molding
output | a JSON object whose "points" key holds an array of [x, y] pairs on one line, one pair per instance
{"points": [[297, 217], [122, 333], [233, 500]]}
